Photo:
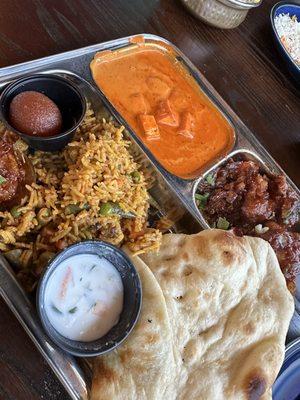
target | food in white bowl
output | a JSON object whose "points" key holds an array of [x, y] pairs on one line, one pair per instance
{"points": [[84, 297]]}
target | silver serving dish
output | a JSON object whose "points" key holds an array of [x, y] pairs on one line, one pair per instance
{"points": [[226, 14], [168, 192]]}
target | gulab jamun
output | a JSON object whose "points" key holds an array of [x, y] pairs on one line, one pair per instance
{"points": [[35, 114]]}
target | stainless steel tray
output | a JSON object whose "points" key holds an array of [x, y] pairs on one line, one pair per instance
{"points": [[169, 191]]}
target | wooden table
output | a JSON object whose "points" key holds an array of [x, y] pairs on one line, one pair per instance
{"points": [[241, 64]]}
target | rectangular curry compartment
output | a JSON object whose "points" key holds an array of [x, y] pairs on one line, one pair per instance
{"points": [[160, 97]]}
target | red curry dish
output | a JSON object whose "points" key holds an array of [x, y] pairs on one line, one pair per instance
{"points": [[165, 107], [242, 197]]}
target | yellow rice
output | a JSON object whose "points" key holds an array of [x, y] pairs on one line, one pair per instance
{"points": [[96, 168]]}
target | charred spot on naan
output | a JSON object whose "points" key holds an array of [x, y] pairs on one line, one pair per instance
{"points": [[188, 270], [228, 257], [125, 355], [201, 246], [249, 328], [255, 385], [232, 248], [105, 374], [168, 274], [223, 246], [181, 242], [152, 338], [169, 259], [245, 284], [185, 256], [206, 296]]}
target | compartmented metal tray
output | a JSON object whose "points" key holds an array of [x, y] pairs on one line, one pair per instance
{"points": [[168, 191]]}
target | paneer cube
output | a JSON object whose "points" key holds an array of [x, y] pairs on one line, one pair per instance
{"points": [[149, 126], [138, 103], [165, 115], [187, 124]]}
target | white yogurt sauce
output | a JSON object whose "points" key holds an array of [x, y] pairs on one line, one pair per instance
{"points": [[84, 297]]}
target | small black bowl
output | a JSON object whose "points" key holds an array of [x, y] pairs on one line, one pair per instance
{"points": [[63, 93], [131, 307]]}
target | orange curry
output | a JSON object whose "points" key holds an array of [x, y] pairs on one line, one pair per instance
{"points": [[164, 106]]}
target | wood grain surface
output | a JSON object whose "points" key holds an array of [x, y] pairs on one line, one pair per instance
{"points": [[242, 64]]}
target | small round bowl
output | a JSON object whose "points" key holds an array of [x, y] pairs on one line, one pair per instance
{"points": [[291, 8], [131, 305], [63, 93]]}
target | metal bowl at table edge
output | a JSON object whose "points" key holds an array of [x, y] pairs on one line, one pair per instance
{"points": [[225, 14], [131, 306]]}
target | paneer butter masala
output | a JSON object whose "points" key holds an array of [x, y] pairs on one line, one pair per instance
{"points": [[164, 106]]}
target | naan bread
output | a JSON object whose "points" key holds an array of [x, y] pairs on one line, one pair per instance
{"points": [[144, 366], [219, 311]]}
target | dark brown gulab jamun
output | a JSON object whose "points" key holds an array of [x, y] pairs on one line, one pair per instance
{"points": [[35, 114]]}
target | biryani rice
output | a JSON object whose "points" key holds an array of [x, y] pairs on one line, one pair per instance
{"points": [[65, 203]]}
